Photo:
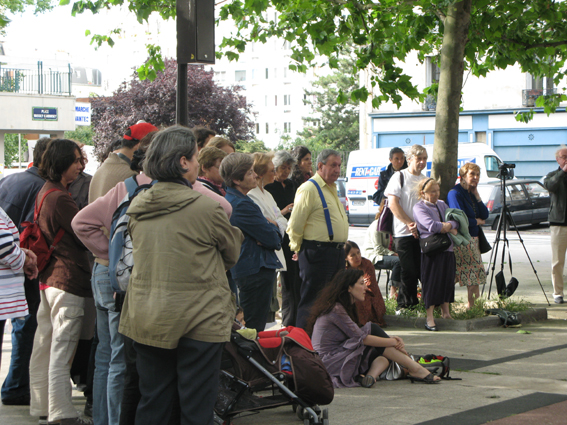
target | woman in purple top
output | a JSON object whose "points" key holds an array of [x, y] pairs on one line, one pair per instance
{"points": [[355, 355], [437, 271]]}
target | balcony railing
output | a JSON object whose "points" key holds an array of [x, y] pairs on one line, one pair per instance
{"points": [[28, 81], [529, 96]]}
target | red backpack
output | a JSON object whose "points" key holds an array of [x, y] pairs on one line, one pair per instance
{"points": [[32, 238]]}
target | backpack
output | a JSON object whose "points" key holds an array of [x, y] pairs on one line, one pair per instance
{"points": [[386, 218], [437, 365], [33, 239], [120, 259]]}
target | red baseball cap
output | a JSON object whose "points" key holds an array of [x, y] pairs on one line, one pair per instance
{"points": [[138, 131]]}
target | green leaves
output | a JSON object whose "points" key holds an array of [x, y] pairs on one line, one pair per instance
{"points": [[153, 64]]}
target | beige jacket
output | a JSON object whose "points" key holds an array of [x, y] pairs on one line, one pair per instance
{"points": [[182, 245]]}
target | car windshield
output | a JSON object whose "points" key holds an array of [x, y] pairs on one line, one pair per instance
{"points": [[491, 163]]}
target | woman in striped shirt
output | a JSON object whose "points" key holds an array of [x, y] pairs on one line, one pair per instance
{"points": [[14, 262]]}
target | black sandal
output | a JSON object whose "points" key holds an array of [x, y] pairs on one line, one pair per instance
{"points": [[368, 381], [429, 379]]}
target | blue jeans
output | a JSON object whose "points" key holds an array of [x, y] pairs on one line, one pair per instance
{"points": [[110, 365], [17, 383], [391, 262]]}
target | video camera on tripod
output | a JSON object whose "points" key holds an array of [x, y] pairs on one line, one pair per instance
{"points": [[506, 173]]}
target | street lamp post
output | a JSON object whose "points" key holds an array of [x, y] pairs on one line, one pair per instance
{"points": [[195, 45]]}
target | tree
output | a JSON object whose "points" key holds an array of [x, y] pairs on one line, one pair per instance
{"points": [[335, 126], [250, 147], [221, 109], [83, 134], [11, 149], [475, 35], [18, 6]]}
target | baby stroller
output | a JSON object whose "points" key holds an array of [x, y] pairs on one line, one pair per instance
{"points": [[282, 362]]}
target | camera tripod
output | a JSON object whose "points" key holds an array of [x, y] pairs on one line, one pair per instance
{"points": [[504, 220]]}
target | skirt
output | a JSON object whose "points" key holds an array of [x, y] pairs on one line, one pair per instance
{"points": [[470, 270], [438, 278]]}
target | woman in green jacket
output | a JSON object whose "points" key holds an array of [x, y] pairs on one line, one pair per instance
{"points": [[178, 308]]}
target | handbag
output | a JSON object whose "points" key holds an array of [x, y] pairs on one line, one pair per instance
{"points": [[435, 244], [393, 372], [483, 243], [386, 218]]}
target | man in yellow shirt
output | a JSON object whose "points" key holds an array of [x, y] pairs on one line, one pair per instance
{"points": [[316, 236]]}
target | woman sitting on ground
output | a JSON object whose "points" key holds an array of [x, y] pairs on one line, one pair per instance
{"points": [[352, 355], [372, 309]]}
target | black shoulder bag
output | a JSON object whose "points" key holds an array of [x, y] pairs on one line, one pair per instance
{"points": [[437, 243]]}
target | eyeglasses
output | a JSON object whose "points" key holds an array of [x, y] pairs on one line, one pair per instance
{"points": [[563, 157]]}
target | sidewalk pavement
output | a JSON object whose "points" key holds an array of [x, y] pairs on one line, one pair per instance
{"points": [[507, 377]]}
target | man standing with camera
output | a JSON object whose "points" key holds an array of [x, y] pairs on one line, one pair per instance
{"points": [[556, 183]]}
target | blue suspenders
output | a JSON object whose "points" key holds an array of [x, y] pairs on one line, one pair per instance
{"points": [[325, 209]]}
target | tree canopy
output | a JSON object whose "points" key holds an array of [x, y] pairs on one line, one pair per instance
{"points": [[334, 125], [221, 109], [501, 33]]}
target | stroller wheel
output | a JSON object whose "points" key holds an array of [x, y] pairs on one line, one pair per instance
{"points": [[294, 408]]}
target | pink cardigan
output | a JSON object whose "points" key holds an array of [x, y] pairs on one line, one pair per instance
{"points": [[92, 224]]}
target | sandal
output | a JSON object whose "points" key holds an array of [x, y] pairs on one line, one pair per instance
{"points": [[429, 379], [368, 381]]}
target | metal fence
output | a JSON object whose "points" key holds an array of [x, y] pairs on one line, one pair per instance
{"points": [[28, 81]]}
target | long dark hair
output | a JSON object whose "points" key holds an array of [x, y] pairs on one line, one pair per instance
{"points": [[348, 246], [298, 176], [336, 291]]}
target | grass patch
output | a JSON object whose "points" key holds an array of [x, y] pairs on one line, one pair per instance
{"points": [[459, 310]]}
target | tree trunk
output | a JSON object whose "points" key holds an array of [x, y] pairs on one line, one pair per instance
{"points": [[449, 95]]}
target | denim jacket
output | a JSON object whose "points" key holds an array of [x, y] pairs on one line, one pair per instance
{"points": [[248, 217]]}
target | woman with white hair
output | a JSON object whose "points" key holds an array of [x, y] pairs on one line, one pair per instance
{"points": [[283, 191]]}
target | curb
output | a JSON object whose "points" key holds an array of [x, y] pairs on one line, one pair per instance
{"points": [[528, 316]]}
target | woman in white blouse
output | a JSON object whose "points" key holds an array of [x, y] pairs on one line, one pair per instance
{"points": [[264, 169]]}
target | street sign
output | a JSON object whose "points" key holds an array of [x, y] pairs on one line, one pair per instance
{"points": [[82, 113], [43, 113]]}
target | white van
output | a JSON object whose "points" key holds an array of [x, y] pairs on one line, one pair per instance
{"points": [[364, 166]]}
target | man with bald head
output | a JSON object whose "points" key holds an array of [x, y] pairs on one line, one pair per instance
{"points": [[556, 183]]}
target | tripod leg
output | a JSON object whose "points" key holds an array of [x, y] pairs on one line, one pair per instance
{"points": [[528, 255]]}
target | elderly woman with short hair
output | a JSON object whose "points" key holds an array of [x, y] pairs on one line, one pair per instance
{"points": [[283, 191], [178, 308], [255, 271], [465, 196]]}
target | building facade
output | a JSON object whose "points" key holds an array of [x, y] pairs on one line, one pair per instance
{"points": [[488, 111]]}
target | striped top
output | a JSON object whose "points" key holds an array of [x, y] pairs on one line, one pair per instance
{"points": [[12, 296]]}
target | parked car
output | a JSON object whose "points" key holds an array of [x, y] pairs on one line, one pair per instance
{"points": [[341, 191], [528, 201]]}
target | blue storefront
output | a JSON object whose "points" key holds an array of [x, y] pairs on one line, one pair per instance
{"points": [[530, 146]]}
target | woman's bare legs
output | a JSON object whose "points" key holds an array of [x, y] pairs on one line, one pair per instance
{"points": [[445, 312], [414, 368], [393, 291], [378, 366], [429, 316], [474, 294]]}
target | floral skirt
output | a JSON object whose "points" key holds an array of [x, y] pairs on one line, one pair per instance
{"points": [[470, 270]]}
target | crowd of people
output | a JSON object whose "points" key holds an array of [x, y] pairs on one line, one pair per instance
{"points": [[213, 232]]}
